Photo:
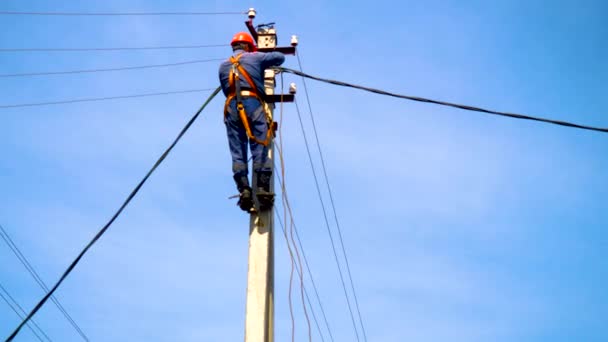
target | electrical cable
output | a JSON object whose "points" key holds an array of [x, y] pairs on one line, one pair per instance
{"points": [[118, 13], [288, 212], [289, 247], [327, 225], [114, 217], [94, 99], [319, 301], [86, 71], [285, 206], [293, 265], [443, 103], [280, 219], [12, 306], [331, 197], [13, 247], [173, 47]]}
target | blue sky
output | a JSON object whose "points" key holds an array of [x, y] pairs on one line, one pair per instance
{"points": [[458, 226]]}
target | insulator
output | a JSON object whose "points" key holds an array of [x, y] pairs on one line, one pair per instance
{"points": [[294, 40], [251, 13]]}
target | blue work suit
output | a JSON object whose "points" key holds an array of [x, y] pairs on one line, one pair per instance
{"points": [[254, 63]]}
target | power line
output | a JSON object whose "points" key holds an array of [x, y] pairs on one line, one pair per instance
{"points": [[304, 288], [443, 103], [11, 244], [170, 47], [327, 225], [114, 217], [312, 280], [119, 13], [300, 270], [14, 305], [286, 206], [331, 197], [331, 238], [111, 69], [93, 99]]}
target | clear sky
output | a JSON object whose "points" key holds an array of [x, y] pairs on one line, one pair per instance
{"points": [[458, 226]]}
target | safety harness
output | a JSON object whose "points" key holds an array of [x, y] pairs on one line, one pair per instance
{"points": [[235, 91]]}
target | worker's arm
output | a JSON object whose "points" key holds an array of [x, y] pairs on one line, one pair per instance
{"points": [[271, 59]]}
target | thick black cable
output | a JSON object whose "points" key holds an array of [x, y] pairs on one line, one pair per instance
{"points": [[114, 217], [23, 313], [312, 280], [135, 48], [443, 103], [32, 271], [94, 99], [86, 71], [118, 13], [20, 316], [331, 197]]}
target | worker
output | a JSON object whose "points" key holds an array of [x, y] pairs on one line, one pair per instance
{"points": [[242, 81]]}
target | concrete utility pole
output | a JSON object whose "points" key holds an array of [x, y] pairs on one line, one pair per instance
{"points": [[259, 316], [259, 322]]}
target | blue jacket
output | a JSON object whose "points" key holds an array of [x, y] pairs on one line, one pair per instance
{"points": [[254, 63]]}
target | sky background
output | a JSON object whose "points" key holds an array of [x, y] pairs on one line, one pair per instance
{"points": [[458, 226]]}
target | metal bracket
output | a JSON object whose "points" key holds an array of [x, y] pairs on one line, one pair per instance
{"points": [[288, 50], [251, 28], [279, 98]]}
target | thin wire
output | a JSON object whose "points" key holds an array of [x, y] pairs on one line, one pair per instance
{"points": [[118, 13], [280, 219], [286, 204], [314, 286], [312, 280], [331, 198], [21, 316], [288, 212], [114, 217], [111, 48], [11, 244], [443, 103], [93, 99], [293, 264], [23, 312], [331, 238], [86, 71]]}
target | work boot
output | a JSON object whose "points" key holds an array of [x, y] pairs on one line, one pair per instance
{"points": [[245, 194], [245, 200], [263, 193]]}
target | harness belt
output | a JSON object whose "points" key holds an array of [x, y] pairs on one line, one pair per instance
{"points": [[248, 93], [235, 92]]}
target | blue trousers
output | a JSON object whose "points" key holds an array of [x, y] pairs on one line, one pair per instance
{"points": [[237, 136]]}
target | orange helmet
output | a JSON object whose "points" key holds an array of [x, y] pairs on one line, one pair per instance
{"points": [[243, 37]]}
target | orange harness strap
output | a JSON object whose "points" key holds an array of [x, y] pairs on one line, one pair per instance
{"points": [[235, 73]]}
